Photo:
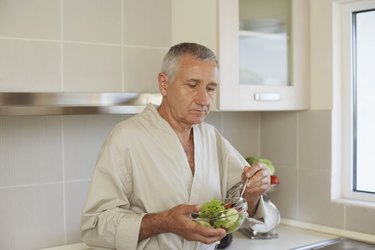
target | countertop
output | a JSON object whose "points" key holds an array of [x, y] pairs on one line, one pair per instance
{"points": [[289, 237]]}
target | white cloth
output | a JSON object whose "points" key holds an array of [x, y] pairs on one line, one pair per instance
{"points": [[142, 168]]}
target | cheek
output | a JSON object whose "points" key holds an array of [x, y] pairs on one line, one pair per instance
{"points": [[179, 101], [183, 96]]}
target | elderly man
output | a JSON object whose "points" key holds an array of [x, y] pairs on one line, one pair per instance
{"points": [[155, 168]]}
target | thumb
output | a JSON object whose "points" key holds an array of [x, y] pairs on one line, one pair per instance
{"points": [[190, 209], [196, 208]]}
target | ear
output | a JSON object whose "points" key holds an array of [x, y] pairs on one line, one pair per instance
{"points": [[163, 83]]}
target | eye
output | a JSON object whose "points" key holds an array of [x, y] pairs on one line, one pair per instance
{"points": [[192, 85], [211, 88]]}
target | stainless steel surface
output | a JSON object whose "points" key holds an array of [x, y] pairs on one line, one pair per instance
{"points": [[338, 244], [63, 103], [252, 235]]}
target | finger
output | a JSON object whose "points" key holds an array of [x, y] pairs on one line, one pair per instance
{"points": [[261, 178], [205, 240], [259, 183], [249, 172], [258, 191], [188, 209], [260, 174], [206, 235], [213, 233]]}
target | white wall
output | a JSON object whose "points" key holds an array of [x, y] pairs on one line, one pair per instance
{"points": [[195, 24], [321, 46]]}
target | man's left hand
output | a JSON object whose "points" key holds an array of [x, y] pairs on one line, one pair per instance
{"points": [[259, 183]]}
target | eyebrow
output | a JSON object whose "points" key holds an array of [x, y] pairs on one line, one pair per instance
{"points": [[215, 84]]}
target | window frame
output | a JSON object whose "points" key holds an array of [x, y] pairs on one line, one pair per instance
{"points": [[342, 175]]}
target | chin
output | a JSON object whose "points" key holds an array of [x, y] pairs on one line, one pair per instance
{"points": [[198, 120], [197, 117]]}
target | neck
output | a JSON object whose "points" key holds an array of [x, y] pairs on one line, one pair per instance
{"points": [[184, 133], [182, 129]]}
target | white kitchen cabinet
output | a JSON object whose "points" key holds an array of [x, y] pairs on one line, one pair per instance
{"points": [[195, 21], [215, 23], [281, 81]]}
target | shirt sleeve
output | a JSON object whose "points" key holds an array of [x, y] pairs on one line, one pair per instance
{"points": [[235, 163], [107, 221]]}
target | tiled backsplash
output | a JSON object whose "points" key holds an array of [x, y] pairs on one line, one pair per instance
{"points": [[299, 144], [30, 150], [46, 165], [71, 46], [82, 45]]}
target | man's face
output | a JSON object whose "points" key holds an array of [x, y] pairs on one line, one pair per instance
{"points": [[190, 93]]}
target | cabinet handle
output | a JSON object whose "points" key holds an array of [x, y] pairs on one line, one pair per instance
{"points": [[269, 97]]}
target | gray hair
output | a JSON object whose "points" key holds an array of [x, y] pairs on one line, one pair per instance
{"points": [[170, 62]]}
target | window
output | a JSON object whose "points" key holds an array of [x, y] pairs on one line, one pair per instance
{"points": [[353, 114], [363, 100]]}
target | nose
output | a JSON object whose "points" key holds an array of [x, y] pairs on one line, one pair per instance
{"points": [[203, 97]]}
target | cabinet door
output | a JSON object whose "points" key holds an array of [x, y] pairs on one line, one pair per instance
{"points": [[265, 69]]}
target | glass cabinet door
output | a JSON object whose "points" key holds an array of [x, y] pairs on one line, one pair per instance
{"points": [[263, 42], [264, 51]]}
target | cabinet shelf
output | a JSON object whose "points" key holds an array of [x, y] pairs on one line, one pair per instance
{"points": [[266, 35]]}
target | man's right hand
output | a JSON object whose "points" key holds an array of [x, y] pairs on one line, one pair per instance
{"points": [[177, 220]]}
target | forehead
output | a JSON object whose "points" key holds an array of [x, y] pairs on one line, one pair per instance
{"points": [[192, 66]]}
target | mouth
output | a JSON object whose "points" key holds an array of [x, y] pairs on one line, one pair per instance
{"points": [[200, 111]]}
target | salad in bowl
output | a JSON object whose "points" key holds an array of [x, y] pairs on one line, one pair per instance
{"points": [[228, 214]]}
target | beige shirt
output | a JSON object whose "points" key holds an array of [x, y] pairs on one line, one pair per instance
{"points": [[142, 168]]}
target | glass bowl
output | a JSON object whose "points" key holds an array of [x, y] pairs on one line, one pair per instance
{"points": [[228, 214]]}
